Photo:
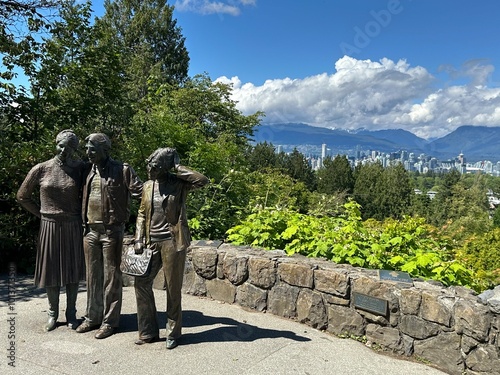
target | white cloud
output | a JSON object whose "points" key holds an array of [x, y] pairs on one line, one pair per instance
{"points": [[375, 95], [205, 7], [477, 71]]}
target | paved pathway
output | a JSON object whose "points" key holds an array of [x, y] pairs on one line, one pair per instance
{"points": [[217, 338]]}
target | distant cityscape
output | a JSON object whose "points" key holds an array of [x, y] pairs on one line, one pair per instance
{"points": [[412, 162]]}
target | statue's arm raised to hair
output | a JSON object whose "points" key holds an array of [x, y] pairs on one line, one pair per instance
{"points": [[195, 179]]}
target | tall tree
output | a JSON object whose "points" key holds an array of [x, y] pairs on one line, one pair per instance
{"points": [[297, 167], [442, 201], [151, 42], [20, 22], [336, 176], [365, 193], [263, 156], [80, 83], [394, 193], [468, 207]]}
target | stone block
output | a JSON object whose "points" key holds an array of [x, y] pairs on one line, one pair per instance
{"points": [[205, 261], [417, 327], [262, 272], [436, 308], [296, 274], [282, 300], [198, 287], [332, 282], [410, 301], [311, 309], [442, 350], [473, 319], [333, 300], [344, 320], [221, 290], [220, 264], [386, 337], [484, 360], [248, 295], [234, 268]]}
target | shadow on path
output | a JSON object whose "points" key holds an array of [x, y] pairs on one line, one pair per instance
{"points": [[226, 329], [19, 287], [221, 329], [22, 288]]}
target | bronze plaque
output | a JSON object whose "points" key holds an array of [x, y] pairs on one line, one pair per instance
{"points": [[396, 276], [369, 303]]}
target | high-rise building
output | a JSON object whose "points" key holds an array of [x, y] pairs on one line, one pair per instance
{"points": [[404, 155]]}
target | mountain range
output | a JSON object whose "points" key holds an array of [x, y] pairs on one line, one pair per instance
{"points": [[475, 142]]}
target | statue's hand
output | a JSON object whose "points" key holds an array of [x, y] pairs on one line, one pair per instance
{"points": [[138, 247], [177, 159]]}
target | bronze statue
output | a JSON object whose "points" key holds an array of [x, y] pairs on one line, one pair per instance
{"points": [[108, 186], [59, 258], [162, 225]]}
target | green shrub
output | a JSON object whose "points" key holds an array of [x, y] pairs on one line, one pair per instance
{"points": [[481, 253], [408, 245]]}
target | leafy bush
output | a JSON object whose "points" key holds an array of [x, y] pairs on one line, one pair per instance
{"points": [[482, 254], [407, 245]]}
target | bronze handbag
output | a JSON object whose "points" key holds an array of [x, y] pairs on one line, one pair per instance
{"points": [[136, 264]]}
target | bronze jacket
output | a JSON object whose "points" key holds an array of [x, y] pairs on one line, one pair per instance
{"points": [[119, 182], [174, 205]]}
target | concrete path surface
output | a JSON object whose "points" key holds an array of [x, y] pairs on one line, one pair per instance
{"points": [[217, 338]]}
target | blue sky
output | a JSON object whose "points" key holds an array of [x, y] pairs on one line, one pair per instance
{"points": [[427, 66]]}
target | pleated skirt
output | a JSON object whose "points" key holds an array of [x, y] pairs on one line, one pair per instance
{"points": [[60, 259]]}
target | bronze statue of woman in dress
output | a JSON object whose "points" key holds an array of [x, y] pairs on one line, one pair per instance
{"points": [[59, 257]]}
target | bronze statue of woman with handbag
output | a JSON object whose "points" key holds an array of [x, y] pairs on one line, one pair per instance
{"points": [[162, 226]]}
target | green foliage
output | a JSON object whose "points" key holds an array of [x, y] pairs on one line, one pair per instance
{"points": [[79, 84], [21, 23], [18, 228], [218, 206], [262, 229], [365, 192], [496, 218], [297, 167], [321, 205], [482, 254], [271, 188], [263, 156], [420, 205], [394, 192], [408, 245], [336, 176], [151, 44]]}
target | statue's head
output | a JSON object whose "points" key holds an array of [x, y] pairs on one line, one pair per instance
{"points": [[161, 161], [66, 144], [98, 146]]}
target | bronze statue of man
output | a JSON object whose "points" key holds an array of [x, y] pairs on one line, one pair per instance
{"points": [[109, 184], [162, 225]]}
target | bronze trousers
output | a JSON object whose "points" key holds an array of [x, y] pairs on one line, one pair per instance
{"points": [[164, 254], [103, 252]]}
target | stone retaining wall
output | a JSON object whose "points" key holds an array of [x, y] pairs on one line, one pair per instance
{"points": [[452, 328]]}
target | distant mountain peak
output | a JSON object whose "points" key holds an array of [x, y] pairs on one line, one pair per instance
{"points": [[475, 142]]}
